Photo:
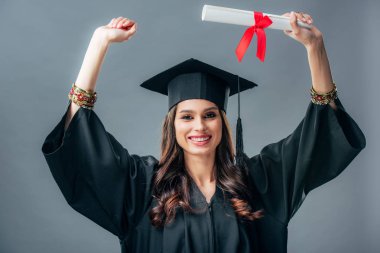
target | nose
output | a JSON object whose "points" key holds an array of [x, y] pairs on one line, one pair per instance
{"points": [[199, 124]]}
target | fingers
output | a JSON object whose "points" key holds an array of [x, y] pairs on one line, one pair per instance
{"points": [[116, 22], [121, 22], [304, 17], [132, 29], [294, 16], [308, 18], [293, 23]]}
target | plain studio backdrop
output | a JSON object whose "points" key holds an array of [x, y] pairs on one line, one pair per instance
{"points": [[42, 46]]}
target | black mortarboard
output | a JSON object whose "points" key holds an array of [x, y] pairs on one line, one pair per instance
{"points": [[193, 79]]}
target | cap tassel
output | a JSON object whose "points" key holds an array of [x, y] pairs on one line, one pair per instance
{"points": [[239, 158], [239, 144]]}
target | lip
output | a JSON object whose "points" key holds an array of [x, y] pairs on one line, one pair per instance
{"points": [[200, 143]]}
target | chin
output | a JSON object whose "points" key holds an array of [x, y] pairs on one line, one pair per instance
{"points": [[200, 151]]}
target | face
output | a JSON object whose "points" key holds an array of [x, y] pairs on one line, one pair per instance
{"points": [[198, 126]]}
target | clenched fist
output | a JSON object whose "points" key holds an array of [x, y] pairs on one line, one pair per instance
{"points": [[308, 37], [117, 30]]}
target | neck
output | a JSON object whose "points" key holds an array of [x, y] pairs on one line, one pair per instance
{"points": [[201, 168]]}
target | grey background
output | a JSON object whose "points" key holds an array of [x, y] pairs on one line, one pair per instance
{"points": [[42, 45]]}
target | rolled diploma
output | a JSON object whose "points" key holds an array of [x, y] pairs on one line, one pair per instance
{"points": [[245, 18]]}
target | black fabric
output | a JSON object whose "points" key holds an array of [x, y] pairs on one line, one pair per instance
{"points": [[193, 79], [198, 86], [101, 180]]}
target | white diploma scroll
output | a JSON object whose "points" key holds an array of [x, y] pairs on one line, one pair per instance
{"points": [[245, 18]]}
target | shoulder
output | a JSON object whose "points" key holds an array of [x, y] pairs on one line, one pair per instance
{"points": [[147, 160], [143, 164]]}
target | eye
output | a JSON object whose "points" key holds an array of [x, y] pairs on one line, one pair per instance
{"points": [[186, 117], [211, 115]]}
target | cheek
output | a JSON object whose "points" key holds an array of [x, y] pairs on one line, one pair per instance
{"points": [[217, 129], [180, 132], [220, 135]]}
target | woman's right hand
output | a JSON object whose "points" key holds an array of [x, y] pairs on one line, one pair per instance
{"points": [[117, 30]]}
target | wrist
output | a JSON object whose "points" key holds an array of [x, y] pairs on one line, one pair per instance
{"points": [[316, 45], [100, 38]]}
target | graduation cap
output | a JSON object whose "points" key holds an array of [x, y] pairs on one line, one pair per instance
{"points": [[193, 79]]}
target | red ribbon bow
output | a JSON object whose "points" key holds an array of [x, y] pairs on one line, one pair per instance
{"points": [[260, 24]]}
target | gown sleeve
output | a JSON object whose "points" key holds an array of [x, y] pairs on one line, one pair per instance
{"points": [[97, 176], [320, 148]]}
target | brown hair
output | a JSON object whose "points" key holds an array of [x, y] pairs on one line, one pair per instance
{"points": [[171, 182]]}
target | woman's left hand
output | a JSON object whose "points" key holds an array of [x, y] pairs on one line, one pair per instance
{"points": [[307, 37], [312, 40]]}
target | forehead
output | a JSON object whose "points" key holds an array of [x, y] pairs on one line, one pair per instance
{"points": [[195, 105]]}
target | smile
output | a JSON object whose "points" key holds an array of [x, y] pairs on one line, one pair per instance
{"points": [[200, 140]]}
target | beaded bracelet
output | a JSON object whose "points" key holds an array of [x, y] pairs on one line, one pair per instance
{"points": [[325, 98], [82, 97]]}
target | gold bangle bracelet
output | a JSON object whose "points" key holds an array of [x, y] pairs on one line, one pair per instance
{"points": [[324, 98], [82, 90], [82, 97]]}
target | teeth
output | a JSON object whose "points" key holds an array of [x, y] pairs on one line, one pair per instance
{"points": [[200, 139]]}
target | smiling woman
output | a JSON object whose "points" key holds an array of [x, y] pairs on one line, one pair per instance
{"points": [[196, 197], [198, 125], [205, 155], [203, 150]]}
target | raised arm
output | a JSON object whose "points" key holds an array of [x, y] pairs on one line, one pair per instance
{"points": [[118, 30], [318, 62], [96, 174], [319, 149]]}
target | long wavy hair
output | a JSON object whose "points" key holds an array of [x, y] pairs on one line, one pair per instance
{"points": [[171, 181]]}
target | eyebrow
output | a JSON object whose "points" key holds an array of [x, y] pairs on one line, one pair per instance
{"points": [[205, 110]]}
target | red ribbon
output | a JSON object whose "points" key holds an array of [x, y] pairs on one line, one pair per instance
{"points": [[260, 24]]}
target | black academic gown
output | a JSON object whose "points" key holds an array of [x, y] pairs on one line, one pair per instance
{"points": [[102, 181]]}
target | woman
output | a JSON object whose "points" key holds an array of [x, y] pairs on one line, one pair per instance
{"points": [[195, 199]]}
